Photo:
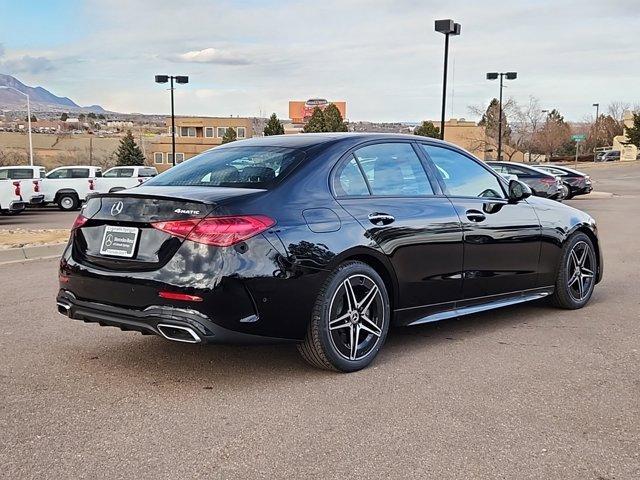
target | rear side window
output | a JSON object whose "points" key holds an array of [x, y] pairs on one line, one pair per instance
{"points": [[240, 167], [20, 173], [147, 172], [79, 173], [4, 174], [393, 169], [463, 176], [348, 180]]}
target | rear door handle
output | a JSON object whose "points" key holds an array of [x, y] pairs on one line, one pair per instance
{"points": [[476, 215], [381, 218]]}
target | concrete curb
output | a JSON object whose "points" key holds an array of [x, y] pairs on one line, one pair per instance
{"points": [[38, 252], [593, 196]]}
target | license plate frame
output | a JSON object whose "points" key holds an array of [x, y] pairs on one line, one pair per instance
{"points": [[118, 241]]}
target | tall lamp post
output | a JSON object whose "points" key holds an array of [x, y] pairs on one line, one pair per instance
{"points": [[178, 79], [494, 76], [28, 121], [447, 27], [597, 105]]}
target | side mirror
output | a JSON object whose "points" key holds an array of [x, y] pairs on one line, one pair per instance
{"points": [[518, 191]]}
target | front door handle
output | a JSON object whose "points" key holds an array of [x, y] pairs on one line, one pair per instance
{"points": [[381, 218], [476, 215]]}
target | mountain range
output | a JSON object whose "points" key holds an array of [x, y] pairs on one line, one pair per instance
{"points": [[40, 98]]}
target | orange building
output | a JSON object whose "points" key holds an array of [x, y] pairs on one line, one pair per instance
{"points": [[300, 112]]}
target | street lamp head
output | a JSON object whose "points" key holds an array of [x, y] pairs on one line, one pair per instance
{"points": [[492, 76], [596, 104], [456, 29], [182, 79], [511, 75], [162, 78], [447, 26]]}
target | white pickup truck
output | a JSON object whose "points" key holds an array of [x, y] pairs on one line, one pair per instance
{"points": [[121, 178], [69, 186], [11, 202], [29, 181]]}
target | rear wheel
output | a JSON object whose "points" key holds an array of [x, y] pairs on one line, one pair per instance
{"points": [[350, 320], [68, 201], [576, 273]]}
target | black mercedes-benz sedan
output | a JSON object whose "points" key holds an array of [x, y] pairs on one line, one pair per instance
{"points": [[324, 240], [542, 183], [577, 183]]}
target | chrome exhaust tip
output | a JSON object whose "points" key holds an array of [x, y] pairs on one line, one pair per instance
{"points": [[63, 308], [178, 333]]}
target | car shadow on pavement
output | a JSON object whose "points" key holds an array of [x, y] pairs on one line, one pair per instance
{"points": [[226, 367]]}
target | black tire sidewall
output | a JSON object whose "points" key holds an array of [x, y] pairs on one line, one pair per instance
{"points": [[325, 297], [73, 197], [563, 296]]}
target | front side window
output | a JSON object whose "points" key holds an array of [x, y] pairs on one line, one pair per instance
{"points": [[111, 173], [393, 169], [463, 176], [348, 180], [240, 167]]}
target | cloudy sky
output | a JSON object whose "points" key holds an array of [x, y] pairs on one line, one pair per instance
{"points": [[381, 56]]}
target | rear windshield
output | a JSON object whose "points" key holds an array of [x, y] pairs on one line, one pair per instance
{"points": [[241, 167]]}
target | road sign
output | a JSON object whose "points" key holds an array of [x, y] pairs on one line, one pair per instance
{"points": [[579, 138]]}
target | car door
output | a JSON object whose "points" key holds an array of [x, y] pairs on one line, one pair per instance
{"points": [[501, 239], [385, 187]]}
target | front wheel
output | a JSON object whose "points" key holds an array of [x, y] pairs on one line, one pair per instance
{"points": [[577, 272], [350, 320]]}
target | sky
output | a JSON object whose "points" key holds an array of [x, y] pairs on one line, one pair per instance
{"points": [[382, 57]]}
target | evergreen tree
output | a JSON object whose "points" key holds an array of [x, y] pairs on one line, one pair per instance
{"points": [[316, 122], [333, 121], [633, 133], [230, 135], [273, 127], [490, 121], [129, 152], [64, 117], [427, 129]]}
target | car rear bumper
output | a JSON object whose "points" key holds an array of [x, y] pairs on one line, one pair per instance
{"points": [[156, 320], [36, 200], [17, 206]]}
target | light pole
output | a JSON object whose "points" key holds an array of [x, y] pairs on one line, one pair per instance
{"points": [[28, 121], [447, 27], [597, 105], [494, 76], [178, 79]]}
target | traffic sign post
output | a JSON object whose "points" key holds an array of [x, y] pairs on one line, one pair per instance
{"points": [[578, 138]]}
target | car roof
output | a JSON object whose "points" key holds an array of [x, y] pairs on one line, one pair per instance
{"points": [[522, 165], [305, 141]]}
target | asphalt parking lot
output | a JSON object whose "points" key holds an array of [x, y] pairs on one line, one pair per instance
{"points": [[526, 392], [41, 217]]}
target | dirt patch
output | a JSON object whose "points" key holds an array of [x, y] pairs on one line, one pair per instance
{"points": [[20, 237]]}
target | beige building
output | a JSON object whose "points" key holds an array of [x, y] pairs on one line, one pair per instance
{"points": [[628, 151], [194, 135]]}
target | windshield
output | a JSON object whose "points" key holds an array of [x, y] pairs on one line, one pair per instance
{"points": [[240, 167]]}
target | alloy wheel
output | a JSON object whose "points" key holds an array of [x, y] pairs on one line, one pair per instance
{"points": [[356, 317], [580, 271]]}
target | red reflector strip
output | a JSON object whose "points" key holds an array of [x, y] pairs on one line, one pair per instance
{"points": [[63, 278], [179, 296]]}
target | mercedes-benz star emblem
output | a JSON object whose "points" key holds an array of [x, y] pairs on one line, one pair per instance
{"points": [[116, 208]]}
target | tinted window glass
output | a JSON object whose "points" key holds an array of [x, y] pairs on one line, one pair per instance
{"points": [[4, 174], [462, 175], [243, 167], [394, 169], [111, 173], [147, 172], [79, 173], [62, 173], [20, 173], [349, 181]]}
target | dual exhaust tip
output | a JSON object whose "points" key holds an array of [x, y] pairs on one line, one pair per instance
{"points": [[176, 333]]}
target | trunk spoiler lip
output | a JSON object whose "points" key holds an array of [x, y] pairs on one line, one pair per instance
{"points": [[177, 197]]}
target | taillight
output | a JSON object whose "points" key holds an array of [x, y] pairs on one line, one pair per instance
{"points": [[17, 188], [79, 222], [548, 180], [36, 186], [91, 185], [217, 231]]}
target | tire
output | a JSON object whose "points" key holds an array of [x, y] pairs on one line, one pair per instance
{"points": [[570, 195], [572, 289], [68, 202], [328, 344]]}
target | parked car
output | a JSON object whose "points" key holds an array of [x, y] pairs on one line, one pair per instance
{"points": [[577, 183], [608, 156], [29, 179], [121, 178], [542, 184], [11, 202], [69, 186], [323, 240]]}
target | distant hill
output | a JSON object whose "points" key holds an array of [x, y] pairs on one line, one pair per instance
{"points": [[41, 99]]}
